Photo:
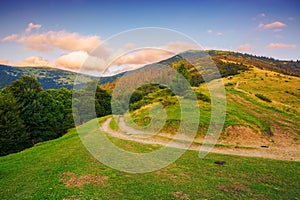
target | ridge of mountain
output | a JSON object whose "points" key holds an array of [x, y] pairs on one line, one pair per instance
{"points": [[57, 78]]}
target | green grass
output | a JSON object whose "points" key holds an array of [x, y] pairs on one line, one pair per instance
{"points": [[37, 173], [243, 107], [113, 124]]}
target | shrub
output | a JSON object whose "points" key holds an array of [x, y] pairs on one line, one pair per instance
{"points": [[229, 84], [199, 95], [264, 98]]}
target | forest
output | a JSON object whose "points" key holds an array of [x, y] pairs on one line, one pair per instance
{"points": [[29, 114]]}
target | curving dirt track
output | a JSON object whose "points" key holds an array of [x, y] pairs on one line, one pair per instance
{"points": [[129, 133]]}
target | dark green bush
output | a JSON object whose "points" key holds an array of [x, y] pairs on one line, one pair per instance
{"points": [[264, 98]]}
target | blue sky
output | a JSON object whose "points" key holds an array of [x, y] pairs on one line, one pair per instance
{"points": [[261, 27]]}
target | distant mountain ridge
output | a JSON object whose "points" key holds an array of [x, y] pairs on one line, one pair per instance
{"points": [[50, 78], [229, 63]]}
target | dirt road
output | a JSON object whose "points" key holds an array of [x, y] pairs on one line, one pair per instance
{"points": [[129, 133]]}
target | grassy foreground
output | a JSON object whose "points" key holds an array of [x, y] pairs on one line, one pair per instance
{"points": [[63, 169]]}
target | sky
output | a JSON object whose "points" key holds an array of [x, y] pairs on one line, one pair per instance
{"points": [[64, 34]]}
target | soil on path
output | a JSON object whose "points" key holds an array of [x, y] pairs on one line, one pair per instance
{"points": [[129, 133]]}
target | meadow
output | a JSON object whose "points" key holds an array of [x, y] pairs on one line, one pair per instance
{"points": [[64, 169]]}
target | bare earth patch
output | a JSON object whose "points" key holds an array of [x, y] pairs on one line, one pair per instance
{"points": [[180, 195], [243, 136], [71, 180]]}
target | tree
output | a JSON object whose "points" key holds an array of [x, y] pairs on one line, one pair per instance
{"points": [[47, 119], [184, 72], [178, 84], [64, 96], [102, 102], [26, 86], [13, 137]]}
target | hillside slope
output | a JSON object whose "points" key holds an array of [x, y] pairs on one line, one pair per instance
{"points": [[63, 169], [50, 78], [262, 112]]}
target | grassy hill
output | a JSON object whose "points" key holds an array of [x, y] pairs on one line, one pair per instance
{"points": [[262, 113], [63, 169], [262, 110]]}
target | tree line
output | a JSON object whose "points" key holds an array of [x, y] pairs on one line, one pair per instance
{"points": [[29, 114]]}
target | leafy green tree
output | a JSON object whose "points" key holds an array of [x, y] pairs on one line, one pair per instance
{"points": [[26, 89], [13, 137], [43, 112], [136, 96], [102, 102], [47, 118], [184, 72], [64, 96], [178, 85]]}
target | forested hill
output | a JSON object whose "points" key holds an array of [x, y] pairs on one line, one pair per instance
{"points": [[48, 77], [228, 63], [227, 60], [281, 66], [194, 63]]}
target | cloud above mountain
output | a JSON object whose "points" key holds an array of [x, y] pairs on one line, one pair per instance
{"points": [[280, 46], [34, 61], [80, 59], [245, 48], [3, 61]]}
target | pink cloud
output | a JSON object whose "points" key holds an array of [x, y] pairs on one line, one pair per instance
{"points": [[34, 61], [272, 25], [151, 55], [77, 59], [3, 61], [280, 45], [32, 26], [178, 47], [62, 40], [245, 47], [143, 57], [129, 46], [10, 38]]}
